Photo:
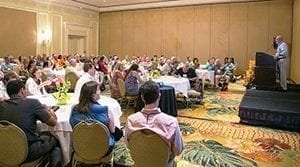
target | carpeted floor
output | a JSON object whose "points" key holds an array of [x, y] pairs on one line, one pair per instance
{"points": [[213, 136], [218, 105]]}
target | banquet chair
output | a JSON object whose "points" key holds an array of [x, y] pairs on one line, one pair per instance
{"points": [[148, 149], [91, 143], [44, 76], [180, 98], [125, 99], [14, 147], [72, 77]]}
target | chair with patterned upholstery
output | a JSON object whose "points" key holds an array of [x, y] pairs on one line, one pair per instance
{"points": [[14, 147], [148, 149], [91, 143]]}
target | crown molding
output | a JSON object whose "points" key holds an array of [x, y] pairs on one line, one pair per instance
{"points": [[171, 4]]}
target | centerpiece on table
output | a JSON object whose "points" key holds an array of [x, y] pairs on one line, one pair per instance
{"points": [[154, 74], [62, 95]]}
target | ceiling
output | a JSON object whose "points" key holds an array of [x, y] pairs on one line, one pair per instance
{"points": [[115, 5]]}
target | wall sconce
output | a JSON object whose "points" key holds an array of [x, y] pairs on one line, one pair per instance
{"points": [[45, 37]]}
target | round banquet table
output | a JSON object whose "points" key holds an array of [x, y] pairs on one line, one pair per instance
{"points": [[179, 84], [63, 130]]}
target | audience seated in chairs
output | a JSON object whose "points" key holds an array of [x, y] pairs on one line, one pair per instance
{"points": [[151, 118], [9, 76], [24, 113], [34, 84], [89, 75], [196, 90], [117, 73], [89, 109], [132, 78]]}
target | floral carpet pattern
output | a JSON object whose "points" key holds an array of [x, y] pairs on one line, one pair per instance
{"points": [[213, 137], [218, 105], [217, 143]]}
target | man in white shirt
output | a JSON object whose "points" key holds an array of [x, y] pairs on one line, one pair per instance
{"points": [[280, 56], [72, 67], [89, 73]]}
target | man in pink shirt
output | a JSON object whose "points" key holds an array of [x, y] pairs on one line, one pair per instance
{"points": [[151, 118]]}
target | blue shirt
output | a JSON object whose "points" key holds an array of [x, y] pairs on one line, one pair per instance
{"points": [[97, 112]]}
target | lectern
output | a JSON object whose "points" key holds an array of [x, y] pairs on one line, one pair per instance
{"points": [[265, 71]]}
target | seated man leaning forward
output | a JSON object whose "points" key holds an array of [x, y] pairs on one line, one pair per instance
{"points": [[151, 118], [24, 113]]}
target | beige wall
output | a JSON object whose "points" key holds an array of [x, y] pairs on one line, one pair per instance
{"points": [[295, 58], [17, 32], [235, 30], [53, 24]]}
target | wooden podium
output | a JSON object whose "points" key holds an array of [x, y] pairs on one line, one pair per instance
{"points": [[265, 71]]}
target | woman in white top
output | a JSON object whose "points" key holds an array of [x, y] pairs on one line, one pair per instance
{"points": [[34, 84]]}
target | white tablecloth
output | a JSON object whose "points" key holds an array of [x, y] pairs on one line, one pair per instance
{"points": [[205, 74], [63, 129], [61, 73], [180, 84]]}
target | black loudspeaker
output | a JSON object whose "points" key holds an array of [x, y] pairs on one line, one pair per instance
{"points": [[265, 76]]}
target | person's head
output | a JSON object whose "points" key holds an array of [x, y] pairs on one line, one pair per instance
{"points": [[90, 93], [150, 92], [46, 64], [9, 76], [73, 62], [89, 68], [186, 67], [102, 58], [133, 67], [195, 60], [31, 64], [231, 60], [279, 39], [118, 66], [16, 87], [226, 60], [36, 73], [6, 59], [217, 62]]}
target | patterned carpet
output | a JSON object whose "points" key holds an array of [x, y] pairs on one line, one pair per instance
{"points": [[218, 105], [213, 136]]}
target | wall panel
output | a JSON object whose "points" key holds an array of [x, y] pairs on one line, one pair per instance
{"points": [[154, 32], [202, 33], [234, 30], [238, 34], [56, 34], [169, 32], [258, 27], [295, 57], [127, 33], [185, 32], [116, 33], [219, 31], [140, 32], [105, 33], [18, 37]]}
